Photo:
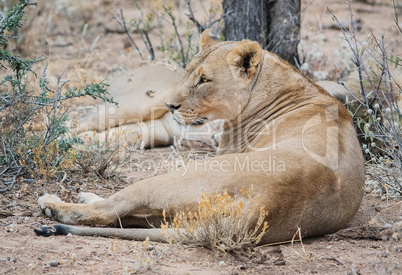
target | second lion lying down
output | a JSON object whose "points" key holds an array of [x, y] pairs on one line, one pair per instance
{"points": [[271, 111]]}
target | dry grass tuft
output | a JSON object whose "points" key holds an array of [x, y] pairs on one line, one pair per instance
{"points": [[222, 222], [106, 155]]}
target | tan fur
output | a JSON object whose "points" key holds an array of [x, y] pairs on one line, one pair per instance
{"points": [[142, 116], [272, 113]]}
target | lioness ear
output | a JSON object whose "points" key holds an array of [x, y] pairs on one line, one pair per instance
{"points": [[207, 39], [245, 57]]}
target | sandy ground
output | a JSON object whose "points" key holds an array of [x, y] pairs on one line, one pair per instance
{"points": [[368, 246], [81, 35]]}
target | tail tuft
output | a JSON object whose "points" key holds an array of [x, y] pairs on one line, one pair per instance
{"points": [[47, 231]]}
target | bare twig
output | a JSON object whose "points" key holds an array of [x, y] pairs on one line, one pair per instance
{"points": [[52, 112], [396, 18], [144, 34], [173, 22], [354, 49], [11, 183], [118, 217], [122, 22], [201, 27], [382, 124]]}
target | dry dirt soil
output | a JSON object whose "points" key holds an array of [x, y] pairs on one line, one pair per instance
{"points": [[83, 35]]}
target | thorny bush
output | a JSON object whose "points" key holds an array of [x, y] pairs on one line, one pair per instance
{"points": [[34, 137], [376, 110]]}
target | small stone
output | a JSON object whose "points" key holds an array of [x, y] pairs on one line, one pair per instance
{"points": [[55, 263], [279, 262], [221, 263]]}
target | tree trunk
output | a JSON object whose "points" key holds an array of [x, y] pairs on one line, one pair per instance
{"points": [[275, 24]]}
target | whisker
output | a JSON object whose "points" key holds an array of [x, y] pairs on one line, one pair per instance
{"points": [[199, 121]]}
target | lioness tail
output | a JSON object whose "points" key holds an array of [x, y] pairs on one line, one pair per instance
{"points": [[154, 235]]}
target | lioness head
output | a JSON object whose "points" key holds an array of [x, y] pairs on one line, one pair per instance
{"points": [[218, 83]]}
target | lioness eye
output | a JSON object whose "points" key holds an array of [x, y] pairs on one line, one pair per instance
{"points": [[202, 81]]}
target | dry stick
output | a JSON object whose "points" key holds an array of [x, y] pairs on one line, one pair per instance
{"points": [[358, 63], [356, 54], [191, 16], [102, 168], [62, 180], [57, 98], [371, 55], [383, 210], [176, 32], [161, 36], [354, 97], [205, 11], [396, 18], [390, 99], [202, 27], [388, 91], [189, 46], [11, 183], [122, 22], [28, 117], [389, 77], [298, 232], [118, 217], [143, 32], [5, 170]]}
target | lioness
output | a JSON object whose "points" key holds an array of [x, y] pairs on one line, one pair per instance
{"points": [[272, 113], [141, 116]]}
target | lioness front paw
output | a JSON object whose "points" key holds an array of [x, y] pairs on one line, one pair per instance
{"points": [[47, 203]]}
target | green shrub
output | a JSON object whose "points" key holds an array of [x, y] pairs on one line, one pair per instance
{"points": [[34, 136]]}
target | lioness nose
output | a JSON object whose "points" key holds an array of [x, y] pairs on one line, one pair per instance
{"points": [[172, 107]]}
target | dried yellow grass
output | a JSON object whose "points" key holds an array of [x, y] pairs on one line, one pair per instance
{"points": [[222, 222]]}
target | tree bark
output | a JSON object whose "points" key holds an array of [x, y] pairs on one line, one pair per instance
{"points": [[275, 24]]}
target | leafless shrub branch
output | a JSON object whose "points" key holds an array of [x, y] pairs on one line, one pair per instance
{"points": [[201, 27], [381, 122], [396, 18], [119, 17]]}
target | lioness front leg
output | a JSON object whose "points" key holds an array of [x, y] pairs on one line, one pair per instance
{"points": [[71, 213], [143, 203]]}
